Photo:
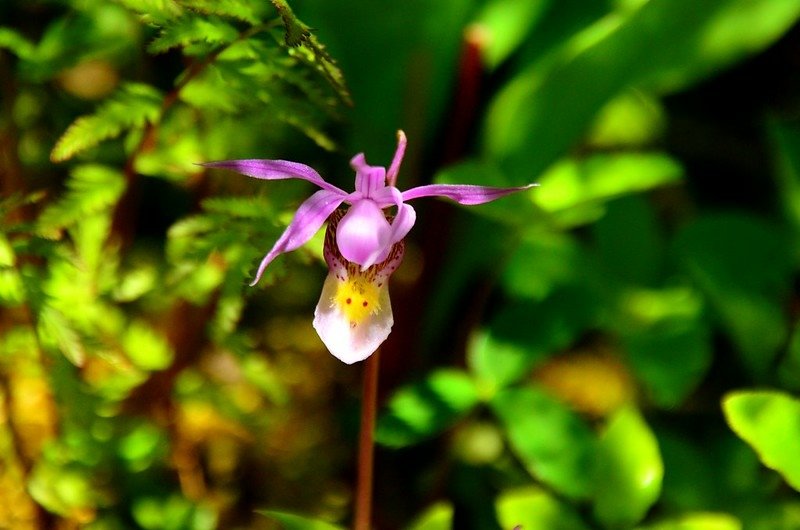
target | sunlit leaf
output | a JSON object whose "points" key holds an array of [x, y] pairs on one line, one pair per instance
{"points": [[574, 191], [191, 29], [501, 26], [620, 50], [424, 409], [628, 470], [634, 118], [535, 509], [91, 189], [147, 349], [290, 521], [770, 422], [16, 43], [246, 10], [697, 521], [553, 443], [667, 340], [437, 517]]}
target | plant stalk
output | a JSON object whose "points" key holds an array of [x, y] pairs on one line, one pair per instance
{"points": [[369, 404]]}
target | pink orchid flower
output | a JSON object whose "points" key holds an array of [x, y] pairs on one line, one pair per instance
{"points": [[363, 246]]}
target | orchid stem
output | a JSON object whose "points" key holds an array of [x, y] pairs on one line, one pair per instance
{"points": [[369, 404]]}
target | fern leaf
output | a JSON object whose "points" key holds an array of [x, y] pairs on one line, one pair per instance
{"points": [[296, 30], [312, 50], [56, 331], [131, 106], [190, 30], [245, 10], [157, 12], [91, 189], [16, 43], [314, 53]]}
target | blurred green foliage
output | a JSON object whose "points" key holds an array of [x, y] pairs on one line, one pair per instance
{"points": [[618, 348]]}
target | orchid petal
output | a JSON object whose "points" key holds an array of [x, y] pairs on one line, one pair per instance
{"points": [[275, 170], [354, 313], [363, 234], [402, 223], [388, 196], [462, 193], [394, 169], [351, 341], [369, 179], [309, 217]]}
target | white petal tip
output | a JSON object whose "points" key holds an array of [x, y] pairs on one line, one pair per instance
{"points": [[348, 342]]}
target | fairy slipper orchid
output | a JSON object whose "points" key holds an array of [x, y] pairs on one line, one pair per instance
{"points": [[363, 246]]}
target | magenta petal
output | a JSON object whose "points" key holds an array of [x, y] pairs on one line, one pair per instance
{"points": [[462, 193], [310, 216], [402, 223], [369, 179], [364, 233], [275, 170]]}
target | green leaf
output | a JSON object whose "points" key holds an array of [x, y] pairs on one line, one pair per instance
{"points": [[628, 241], [535, 509], [426, 408], [312, 50], [132, 106], [543, 262], [246, 10], [666, 339], [525, 332], [786, 146], [555, 445], [189, 29], [296, 30], [158, 12], [628, 470], [290, 521], [436, 517], [146, 348], [697, 521], [621, 50], [574, 191], [503, 24], [13, 41], [633, 119], [720, 252], [91, 189], [770, 422], [668, 345]]}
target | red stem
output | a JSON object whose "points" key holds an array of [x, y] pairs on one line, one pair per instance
{"points": [[369, 404]]}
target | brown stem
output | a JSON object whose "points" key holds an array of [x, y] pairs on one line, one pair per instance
{"points": [[369, 404]]}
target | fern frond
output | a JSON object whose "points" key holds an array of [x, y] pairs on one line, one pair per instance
{"points": [[156, 12], [55, 330], [245, 207], [16, 43], [245, 10], [322, 61], [298, 34], [296, 30], [189, 30], [131, 106], [91, 189]]}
